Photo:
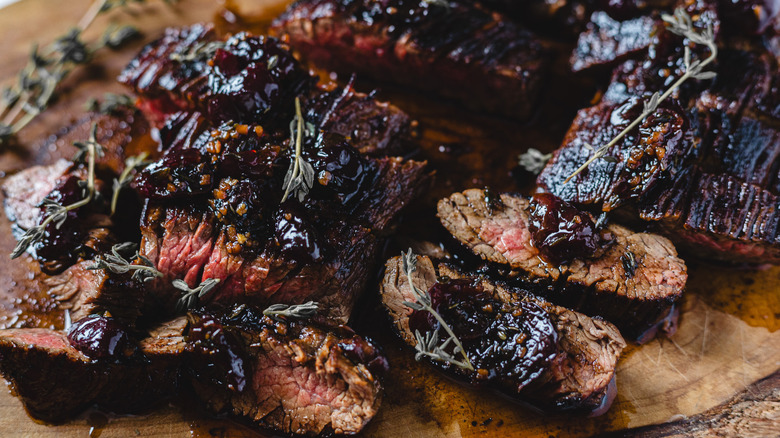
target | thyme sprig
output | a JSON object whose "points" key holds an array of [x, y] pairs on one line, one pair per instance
{"points": [[131, 163], [38, 81], [680, 24], [56, 213], [190, 296], [298, 311], [300, 175], [533, 160], [118, 264], [428, 344]]}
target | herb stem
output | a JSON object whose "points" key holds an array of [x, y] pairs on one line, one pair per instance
{"points": [[423, 300], [298, 146], [60, 212], [690, 72], [92, 13]]}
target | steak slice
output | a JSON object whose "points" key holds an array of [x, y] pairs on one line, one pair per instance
{"points": [[703, 169], [168, 82], [168, 86], [84, 291], [460, 51], [24, 191], [290, 376], [580, 376], [55, 381], [634, 283], [607, 41]]}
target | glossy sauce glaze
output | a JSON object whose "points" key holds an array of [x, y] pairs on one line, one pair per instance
{"points": [[560, 231], [506, 343]]}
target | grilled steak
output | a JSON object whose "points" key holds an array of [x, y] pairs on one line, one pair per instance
{"points": [[632, 280], [606, 40], [214, 199], [84, 291], [181, 72], [569, 17], [90, 229], [289, 376], [56, 381], [567, 360], [702, 168], [460, 50]]}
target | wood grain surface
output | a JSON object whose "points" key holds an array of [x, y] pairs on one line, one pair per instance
{"points": [[728, 336]]}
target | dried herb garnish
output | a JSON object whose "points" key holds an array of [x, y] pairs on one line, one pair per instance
{"points": [[428, 345], [57, 213], [45, 69], [131, 163], [533, 160], [629, 263], [680, 24], [300, 175], [190, 297], [442, 3], [297, 311], [199, 52], [118, 264], [112, 103]]}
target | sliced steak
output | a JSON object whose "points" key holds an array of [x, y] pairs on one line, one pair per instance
{"points": [[24, 191], [607, 41], [84, 291], [183, 70], [634, 282], [459, 50], [56, 381], [215, 207], [290, 376], [578, 370], [90, 229], [166, 85], [702, 169]]}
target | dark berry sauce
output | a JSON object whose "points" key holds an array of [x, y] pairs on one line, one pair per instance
{"points": [[254, 79], [512, 343], [295, 236], [225, 362], [560, 231], [340, 170], [100, 337]]}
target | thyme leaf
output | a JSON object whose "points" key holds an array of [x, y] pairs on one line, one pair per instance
{"points": [[199, 52], [427, 345], [111, 104], [118, 264], [298, 311], [680, 24], [56, 213], [442, 3], [533, 160], [115, 37], [300, 175], [131, 163], [190, 297]]}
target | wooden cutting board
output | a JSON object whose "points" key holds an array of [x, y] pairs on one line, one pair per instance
{"points": [[728, 336]]}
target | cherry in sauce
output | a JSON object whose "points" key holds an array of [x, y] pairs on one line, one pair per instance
{"points": [[100, 337], [560, 231], [222, 357]]}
